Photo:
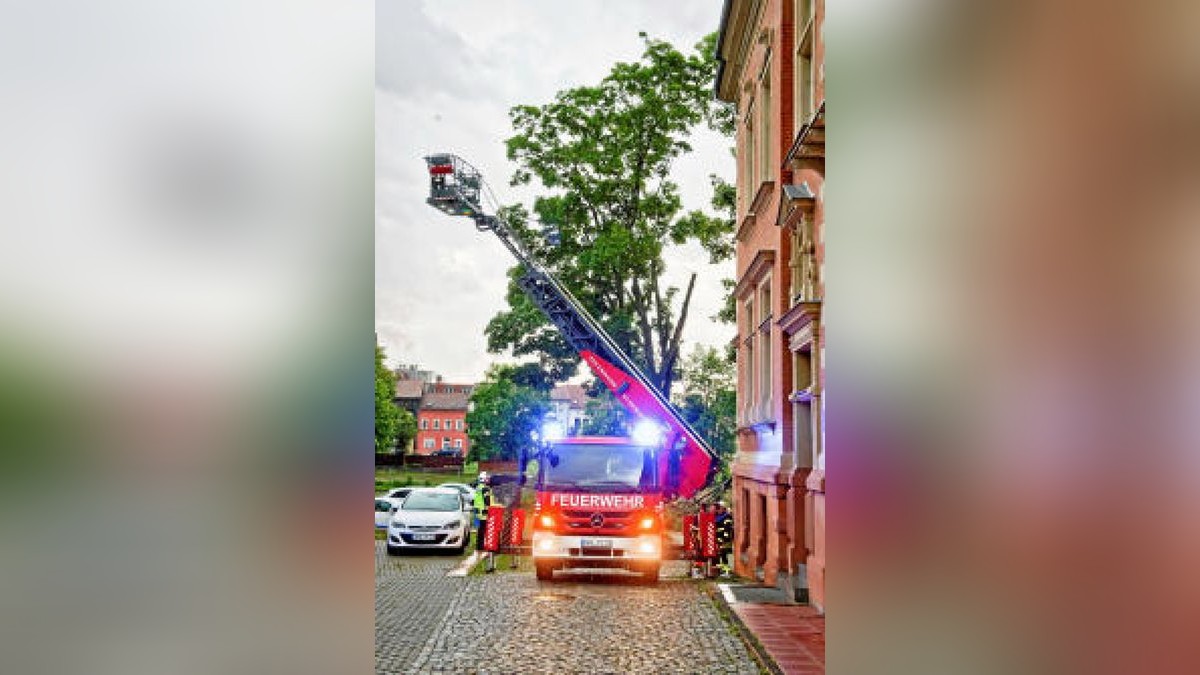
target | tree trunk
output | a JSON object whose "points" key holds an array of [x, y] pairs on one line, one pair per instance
{"points": [[672, 355]]}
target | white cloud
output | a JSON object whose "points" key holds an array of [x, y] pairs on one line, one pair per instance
{"points": [[447, 74]]}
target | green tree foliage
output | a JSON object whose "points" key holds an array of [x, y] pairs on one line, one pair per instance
{"points": [[504, 413], [394, 426], [604, 154], [709, 400]]}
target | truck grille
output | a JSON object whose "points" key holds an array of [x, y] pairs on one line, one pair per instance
{"points": [[580, 522]]}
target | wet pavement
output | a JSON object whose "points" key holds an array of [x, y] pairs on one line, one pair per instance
{"points": [[508, 622]]}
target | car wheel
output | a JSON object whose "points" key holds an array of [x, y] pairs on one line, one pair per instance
{"points": [[544, 571], [393, 550]]}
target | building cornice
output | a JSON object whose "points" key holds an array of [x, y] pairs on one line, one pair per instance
{"points": [[734, 42], [795, 202], [796, 320], [763, 261], [809, 147]]}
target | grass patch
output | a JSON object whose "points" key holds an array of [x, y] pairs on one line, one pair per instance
{"points": [[388, 477]]}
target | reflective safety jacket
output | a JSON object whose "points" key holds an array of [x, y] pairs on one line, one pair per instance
{"points": [[725, 530], [483, 499]]}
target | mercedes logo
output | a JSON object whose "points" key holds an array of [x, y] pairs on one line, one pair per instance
{"points": [[597, 520]]}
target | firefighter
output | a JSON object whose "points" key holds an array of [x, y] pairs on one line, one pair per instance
{"points": [[484, 498], [724, 538], [699, 562]]}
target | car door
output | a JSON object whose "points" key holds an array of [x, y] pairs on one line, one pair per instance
{"points": [[384, 508]]}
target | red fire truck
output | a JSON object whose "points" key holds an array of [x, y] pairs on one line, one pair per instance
{"points": [[599, 499]]}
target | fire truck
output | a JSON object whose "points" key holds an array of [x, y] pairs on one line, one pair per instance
{"points": [[599, 500]]}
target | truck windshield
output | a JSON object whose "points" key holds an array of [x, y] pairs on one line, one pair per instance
{"points": [[599, 468]]}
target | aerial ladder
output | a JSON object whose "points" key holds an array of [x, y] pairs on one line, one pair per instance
{"points": [[458, 189]]}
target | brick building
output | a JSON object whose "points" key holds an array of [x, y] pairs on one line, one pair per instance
{"points": [[442, 417], [771, 66]]}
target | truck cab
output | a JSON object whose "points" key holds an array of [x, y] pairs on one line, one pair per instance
{"points": [[599, 502]]}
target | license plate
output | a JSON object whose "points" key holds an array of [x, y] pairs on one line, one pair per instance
{"points": [[423, 537], [595, 543]]}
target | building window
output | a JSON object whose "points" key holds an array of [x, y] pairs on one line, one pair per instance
{"points": [[748, 363], [764, 348], [458, 424], [437, 424], [425, 423], [428, 444], [749, 162], [803, 77], [802, 380], [765, 127], [449, 424], [446, 443], [458, 443], [804, 263]]}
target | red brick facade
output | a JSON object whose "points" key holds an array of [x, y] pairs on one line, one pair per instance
{"points": [[442, 419], [772, 55]]}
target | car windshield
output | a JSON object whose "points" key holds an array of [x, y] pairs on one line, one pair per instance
{"points": [[431, 501], [601, 467]]}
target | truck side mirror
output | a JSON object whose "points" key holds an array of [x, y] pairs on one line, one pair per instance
{"points": [[674, 469], [675, 464]]}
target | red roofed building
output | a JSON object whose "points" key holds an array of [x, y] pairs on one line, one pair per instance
{"points": [[442, 418]]}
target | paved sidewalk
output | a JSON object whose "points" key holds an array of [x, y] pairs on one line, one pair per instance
{"points": [[427, 621], [792, 635]]}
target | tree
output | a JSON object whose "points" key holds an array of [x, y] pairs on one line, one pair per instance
{"points": [[605, 152], [394, 426], [504, 414], [709, 399]]}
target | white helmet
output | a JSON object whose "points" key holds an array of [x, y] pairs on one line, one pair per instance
{"points": [[483, 476]]}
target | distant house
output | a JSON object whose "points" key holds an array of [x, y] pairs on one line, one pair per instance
{"points": [[568, 404], [442, 418], [408, 395]]}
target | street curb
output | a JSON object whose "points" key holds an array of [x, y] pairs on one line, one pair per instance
{"points": [[756, 649]]}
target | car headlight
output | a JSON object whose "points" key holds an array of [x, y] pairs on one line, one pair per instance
{"points": [[399, 525], [452, 525]]}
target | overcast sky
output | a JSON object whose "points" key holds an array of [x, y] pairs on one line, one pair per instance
{"points": [[446, 75]]}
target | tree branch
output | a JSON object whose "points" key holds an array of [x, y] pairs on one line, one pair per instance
{"points": [[642, 310], [672, 354]]}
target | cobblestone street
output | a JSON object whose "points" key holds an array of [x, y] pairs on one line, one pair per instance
{"points": [[508, 622]]}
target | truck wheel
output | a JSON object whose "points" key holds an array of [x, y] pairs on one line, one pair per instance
{"points": [[544, 571], [650, 574]]}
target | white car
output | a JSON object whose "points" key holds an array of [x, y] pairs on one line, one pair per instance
{"points": [[467, 491], [429, 518], [384, 508], [398, 494]]}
